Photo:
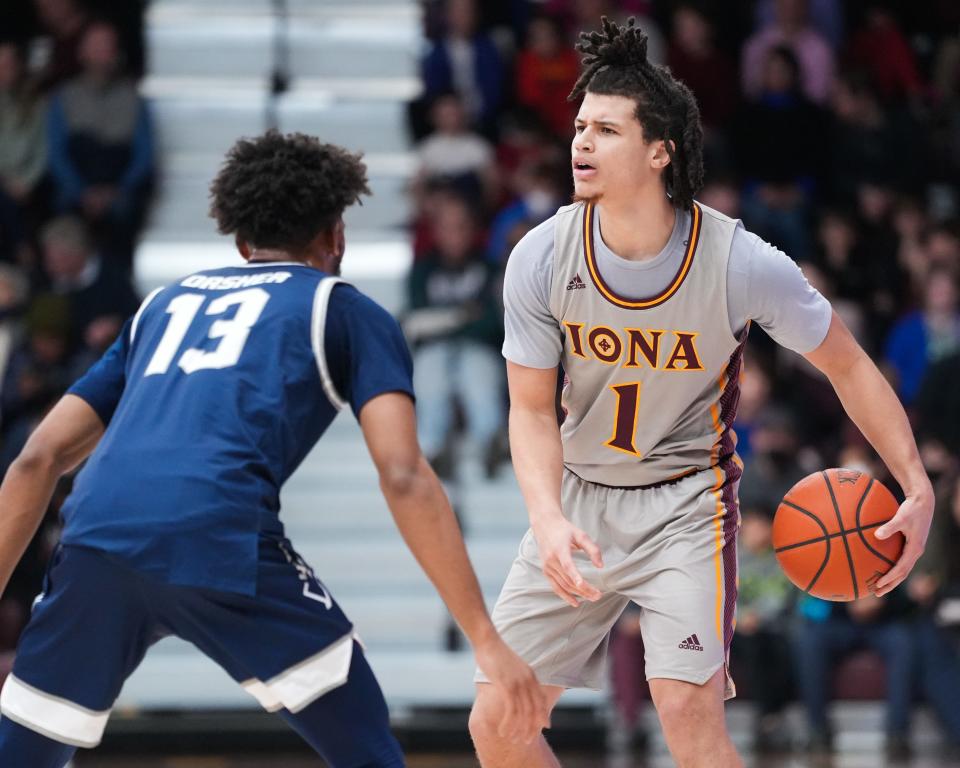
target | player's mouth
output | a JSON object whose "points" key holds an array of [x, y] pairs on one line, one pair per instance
{"points": [[583, 170]]}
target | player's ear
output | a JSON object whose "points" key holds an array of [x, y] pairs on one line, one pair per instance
{"points": [[324, 243], [660, 158], [243, 247]]}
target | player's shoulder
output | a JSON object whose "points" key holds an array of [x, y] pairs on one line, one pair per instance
{"points": [[751, 253], [349, 303], [713, 214]]}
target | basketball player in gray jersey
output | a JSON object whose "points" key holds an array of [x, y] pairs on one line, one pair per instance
{"points": [[645, 298]]}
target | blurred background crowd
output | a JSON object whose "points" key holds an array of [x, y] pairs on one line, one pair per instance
{"points": [[76, 173], [832, 129]]}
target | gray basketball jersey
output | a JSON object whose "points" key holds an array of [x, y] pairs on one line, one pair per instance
{"points": [[652, 384]]}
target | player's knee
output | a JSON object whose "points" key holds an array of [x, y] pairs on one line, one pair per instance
{"points": [[484, 717]]}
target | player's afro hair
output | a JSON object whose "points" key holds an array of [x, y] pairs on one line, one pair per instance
{"points": [[280, 191], [615, 64]]}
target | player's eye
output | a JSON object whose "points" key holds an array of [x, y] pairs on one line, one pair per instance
{"points": [[579, 128]]}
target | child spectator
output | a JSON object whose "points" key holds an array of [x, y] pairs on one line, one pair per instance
{"points": [[455, 154]]}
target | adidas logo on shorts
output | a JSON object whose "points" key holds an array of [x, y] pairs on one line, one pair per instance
{"points": [[692, 643], [576, 283]]}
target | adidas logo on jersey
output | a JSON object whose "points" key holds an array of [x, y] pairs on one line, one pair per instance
{"points": [[576, 283], [692, 643]]}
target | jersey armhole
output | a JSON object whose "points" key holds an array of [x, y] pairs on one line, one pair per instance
{"points": [[143, 306], [318, 325]]}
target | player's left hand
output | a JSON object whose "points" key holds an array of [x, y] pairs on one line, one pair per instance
{"points": [[913, 521]]}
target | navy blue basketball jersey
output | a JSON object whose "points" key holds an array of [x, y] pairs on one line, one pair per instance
{"points": [[213, 394]]}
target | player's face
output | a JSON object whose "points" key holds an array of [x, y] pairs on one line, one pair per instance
{"points": [[609, 154]]}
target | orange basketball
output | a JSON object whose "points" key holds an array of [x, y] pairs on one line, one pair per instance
{"points": [[823, 534]]}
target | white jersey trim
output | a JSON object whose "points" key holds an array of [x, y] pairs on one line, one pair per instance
{"points": [[143, 306], [261, 693], [302, 684], [318, 324], [52, 716]]}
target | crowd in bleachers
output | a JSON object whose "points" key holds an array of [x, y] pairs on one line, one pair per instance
{"points": [[832, 129], [76, 173]]}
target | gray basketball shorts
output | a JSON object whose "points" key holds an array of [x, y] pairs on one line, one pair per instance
{"points": [[671, 549]]}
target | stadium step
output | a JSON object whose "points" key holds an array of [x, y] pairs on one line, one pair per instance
{"points": [[345, 40], [211, 124]]}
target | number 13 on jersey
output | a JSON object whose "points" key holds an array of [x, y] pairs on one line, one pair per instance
{"points": [[232, 333]]}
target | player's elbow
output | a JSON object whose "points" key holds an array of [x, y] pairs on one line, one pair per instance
{"points": [[401, 476], [40, 458]]}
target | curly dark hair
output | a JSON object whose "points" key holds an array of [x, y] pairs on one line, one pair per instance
{"points": [[615, 64], [280, 191]]}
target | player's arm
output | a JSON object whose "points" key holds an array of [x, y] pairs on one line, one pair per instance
{"points": [[873, 406], [429, 527], [64, 439], [538, 462]]}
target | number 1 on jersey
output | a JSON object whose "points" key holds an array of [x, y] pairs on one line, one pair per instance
{"points": [[625, 418], [232, 333]]}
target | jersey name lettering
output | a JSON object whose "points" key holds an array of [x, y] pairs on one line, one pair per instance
{"points": [[635, 347], [232, 282]]}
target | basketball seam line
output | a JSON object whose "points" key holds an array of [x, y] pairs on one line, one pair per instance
{"points": [[786, 547], [863, 538], [826, 538], [843, 535]]}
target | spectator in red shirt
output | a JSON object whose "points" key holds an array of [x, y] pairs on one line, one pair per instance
{"points": [[694, 59], [547, 69], [880, 49]]}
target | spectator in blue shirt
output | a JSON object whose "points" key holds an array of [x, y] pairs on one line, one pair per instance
{"points": [[926, 336], [101, 145], [467, 61]]}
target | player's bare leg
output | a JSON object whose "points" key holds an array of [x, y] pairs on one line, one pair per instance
{"points": [[693, 722], [495, 751]]}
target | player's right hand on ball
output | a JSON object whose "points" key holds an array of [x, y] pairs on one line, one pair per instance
{"points": [[525, 712], [557, 540]]}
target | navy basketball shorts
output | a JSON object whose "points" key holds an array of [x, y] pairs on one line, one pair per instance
{"points": [[289, 645]]}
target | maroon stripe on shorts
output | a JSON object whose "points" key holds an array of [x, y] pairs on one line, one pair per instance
{"points": [[731, 516]]}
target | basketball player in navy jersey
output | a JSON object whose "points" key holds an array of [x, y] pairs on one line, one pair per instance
{"points": [[191, 422], [645, 298]]}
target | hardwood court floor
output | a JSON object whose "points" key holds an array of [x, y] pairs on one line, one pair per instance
{"points": [[574, 760]]}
